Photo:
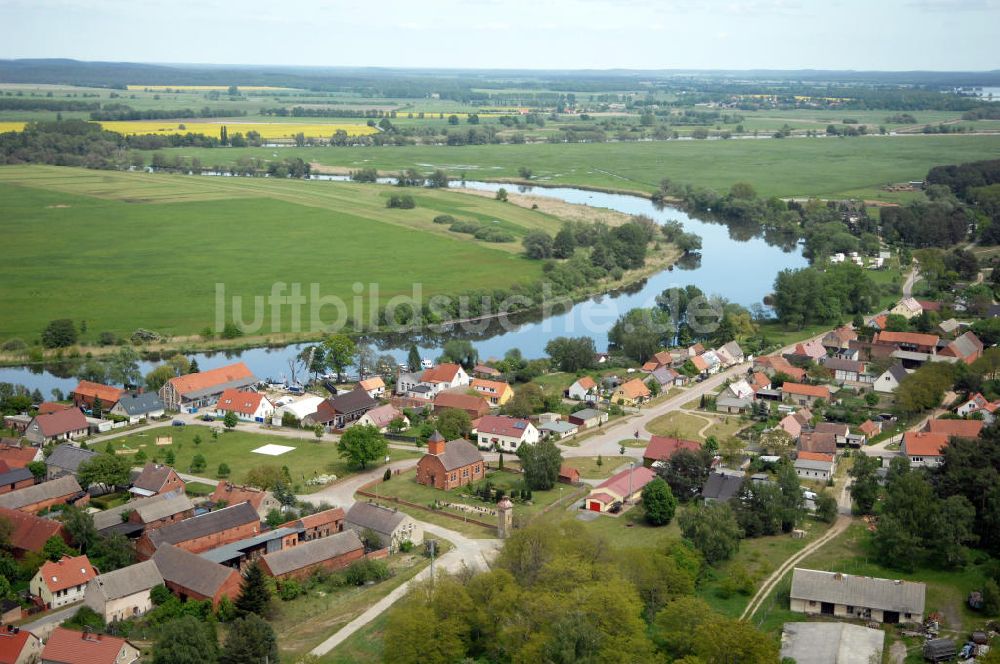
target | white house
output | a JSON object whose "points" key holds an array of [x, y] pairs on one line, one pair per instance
{"points": [[815, 466], [61, 583], [924, 449], [247, 406], [375, 387], [299, 409], [430, 382], [505, 434], [584, 389], [382, 417], [908, 308], [124, 593], [889, 380]]}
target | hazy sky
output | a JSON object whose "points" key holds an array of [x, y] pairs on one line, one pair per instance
{"points": [[644, 34]]}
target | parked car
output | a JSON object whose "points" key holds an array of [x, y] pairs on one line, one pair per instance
{"points": [[177, 423]]}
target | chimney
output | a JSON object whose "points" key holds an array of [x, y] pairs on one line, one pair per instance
{"points": [[435, 444]]}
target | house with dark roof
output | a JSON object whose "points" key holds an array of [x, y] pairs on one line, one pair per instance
{"points": [[821, 442], [12, 479], [123, 593], [18, 646], [967, 348], [661, 448], [588, 418], [847, 371], [62, 582], [63, 491], [341, 410], [202, 389], [856, 597], [299, 562], [69, 647], [156, 478], [134, 517], [66, 459], [189, 576], [68, 424], [722, 485], [504, 433], [30, 532], [451, 464], [476, 406], [392, 526], [203, 532], [87, 393], [889, 380], [138, 407], [623, 487], [839, 339], [318, 525]]}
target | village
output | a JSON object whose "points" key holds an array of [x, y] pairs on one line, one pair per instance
{"points": [[441, 467]]}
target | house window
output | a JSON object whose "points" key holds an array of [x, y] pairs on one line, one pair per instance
{"points": [[453, 477]]}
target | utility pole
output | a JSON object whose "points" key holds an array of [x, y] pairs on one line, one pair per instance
{"points": [[432, 544]]}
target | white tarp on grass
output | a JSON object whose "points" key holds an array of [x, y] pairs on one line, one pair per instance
{"points": [[273, 450]]}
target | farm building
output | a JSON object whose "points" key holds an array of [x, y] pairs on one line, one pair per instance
{"points": [[860, 597], [382, 417], [805, 395], [661, 448], [202, 389], [569, 475], [504, 434], [66, 459], [63, 491], [331, 553], [839, 339], [392, 526], [818, 442], [66, 646], [30, 532], [123, 593], [623, 487], [203, 532], [68, 424], [588, 418], [300, 409], [242, 553], [341, 410], [189, 576], [956, 428], [831, 643], [156, 478], [557, 429], [246, 406], [967, 348], [451, 464], [475, 406], [144, 513], [13, 479], [64, 582], [86, 393], [228, 493], [137, 407], [19, 456], [815, 466], [318, 525]]}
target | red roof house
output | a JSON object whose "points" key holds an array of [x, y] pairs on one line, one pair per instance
{"points": [[69, 647], [18, 646], [30, 532], [661, 448], [87, 392]]}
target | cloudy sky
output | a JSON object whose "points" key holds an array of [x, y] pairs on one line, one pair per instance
{"points": [[642, 34]]}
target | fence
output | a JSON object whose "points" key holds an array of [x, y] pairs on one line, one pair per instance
{"points": [[367, 494]]}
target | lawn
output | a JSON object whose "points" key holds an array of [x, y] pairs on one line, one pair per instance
{"points": [[589, 469], [308, 459], [627, 530], [689, 426], [824, 167], [851, 553], [177, 239], [365, 646]]}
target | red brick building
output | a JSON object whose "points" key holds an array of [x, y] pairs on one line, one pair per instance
{"points": [[318, 525], [87, 392], [189, 576], [203, 532], [62, 491], [450, 464], [30, 532], [156, 479], [299, 562]]}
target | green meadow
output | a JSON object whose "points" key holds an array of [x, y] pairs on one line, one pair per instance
{"points": [[822, 167], [128, 250]]}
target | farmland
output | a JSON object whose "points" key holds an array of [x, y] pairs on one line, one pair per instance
{"points": [[822, 167], [175, 237], [267, 130]]}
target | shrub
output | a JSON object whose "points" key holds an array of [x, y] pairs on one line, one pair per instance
{"points": [[494, 235], [406, 546], [231, 331], [444, 219], [403, 202], [366, 570], [289, 590], [14, 345], [469, 227], [107, 339]]}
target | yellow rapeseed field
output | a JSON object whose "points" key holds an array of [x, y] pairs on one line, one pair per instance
{"points": [[201, 88], [267, 130], [11, 126]]}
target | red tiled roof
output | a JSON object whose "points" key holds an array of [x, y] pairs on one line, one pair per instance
{"points": [[442, 373], [568, 472], [60, 422], [210, 378], [461, 401], [502, 425], [956, 428], [322, 518], [619, 483], [823, 443], [30, 532], [153, 477], [815, 391], [699, 363], [661, 448], [760, 381], [634, 388], [924, 443], [68, 647], [12, 644], [233, 494], [650, 366], [47, 407], [497, 387], [66, 573], [486, 370], [815, 456], [586, 383], [234, 400], [371, 383], [108, 395], [17, 457], [869, 428], [914, 338]]}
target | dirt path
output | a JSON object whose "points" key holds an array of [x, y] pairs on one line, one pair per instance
{"points": [[772, 581], [897, 653]]}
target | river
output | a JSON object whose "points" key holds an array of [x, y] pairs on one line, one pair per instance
{"points": [[735, 263]]}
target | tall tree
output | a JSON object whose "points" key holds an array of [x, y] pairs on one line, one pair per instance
{"points": [[251, 640], [572, 354], [104, 469], [413, 361], [123, 369], [713, 530], [460, 351], [540, 463], [254, 597], [658, 502], [186, 640], [340, 350], [362, 445]]}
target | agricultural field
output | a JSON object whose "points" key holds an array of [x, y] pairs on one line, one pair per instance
{"points": [[176, 237], [267, 130], [820, 167]]}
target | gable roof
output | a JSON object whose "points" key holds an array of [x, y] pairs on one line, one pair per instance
{"points": [[442, 373], [699, 363], [29, 495], [842, 335], [61, 421], [140, 404], [812, 348], [66, 646], [382, 520], [372, 383], [47, 407], [69, 457], [66, 573], [814, 391], [191, 571], [153, 477], [10, 475], [383, 415], [350, 401], [113, 516], [312, 552], [836, 428], [967, 346], [760, 381], [841, 364], [869, 428], [912, 338], [634, 389], [234, 494], [956, 428], [127, 580], [620, 482], [461, 401], [30, 532], [18, 456], [108, 395], [213, 380], [490, 386], [585, 383], [457, 454], [924, 444], [815, 456], [818, 441], [503, 425], [13, 642], [486, 370], [317, 519], [662, 448], [897, 371], [204, 524], [245, 403], [722, 486], [168, 505], [733, 350], [864, 591]]}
